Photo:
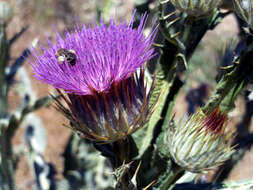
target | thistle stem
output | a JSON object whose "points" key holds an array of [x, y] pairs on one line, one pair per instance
{"points": [[123, 150], [169, 177], [126, 149], [228, 82], [234, 80]]}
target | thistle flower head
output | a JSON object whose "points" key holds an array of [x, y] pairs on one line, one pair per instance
{"points": [[96, 70], [200, 143], [104, 55], [244, 9], [196, 8]]}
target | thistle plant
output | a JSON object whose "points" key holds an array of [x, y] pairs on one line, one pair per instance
{"points": [[116, 83]]}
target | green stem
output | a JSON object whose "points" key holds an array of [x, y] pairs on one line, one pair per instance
{"points": [[126, 152], [227, 103], [230, 81], [169, 177]]}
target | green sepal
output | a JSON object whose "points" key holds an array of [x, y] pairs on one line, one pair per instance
{"points": [[144, 136]]}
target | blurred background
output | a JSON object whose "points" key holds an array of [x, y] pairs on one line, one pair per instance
{"points": [[43, 16]]}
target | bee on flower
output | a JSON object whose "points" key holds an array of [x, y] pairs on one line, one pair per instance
{"points": [[66, 55]]}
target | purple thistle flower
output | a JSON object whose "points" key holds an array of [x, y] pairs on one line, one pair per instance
{"points": [[97, 68], [105, 55]]}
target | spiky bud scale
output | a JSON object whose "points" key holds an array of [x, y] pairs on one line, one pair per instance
{"points": [[111, 116]]}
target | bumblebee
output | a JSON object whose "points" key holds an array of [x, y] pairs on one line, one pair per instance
{"points": [[69, 56]]}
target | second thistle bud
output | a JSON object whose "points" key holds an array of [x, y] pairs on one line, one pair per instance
{"points": [[196, 8], [200, 144]]}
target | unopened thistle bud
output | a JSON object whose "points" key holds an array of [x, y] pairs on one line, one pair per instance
{"points": [[200, 143], [196, 8], [244, 9], [99, 73]]}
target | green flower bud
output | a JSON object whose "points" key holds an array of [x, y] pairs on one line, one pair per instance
{"points": [[196, 8], [200, 144], [243, 9]]}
